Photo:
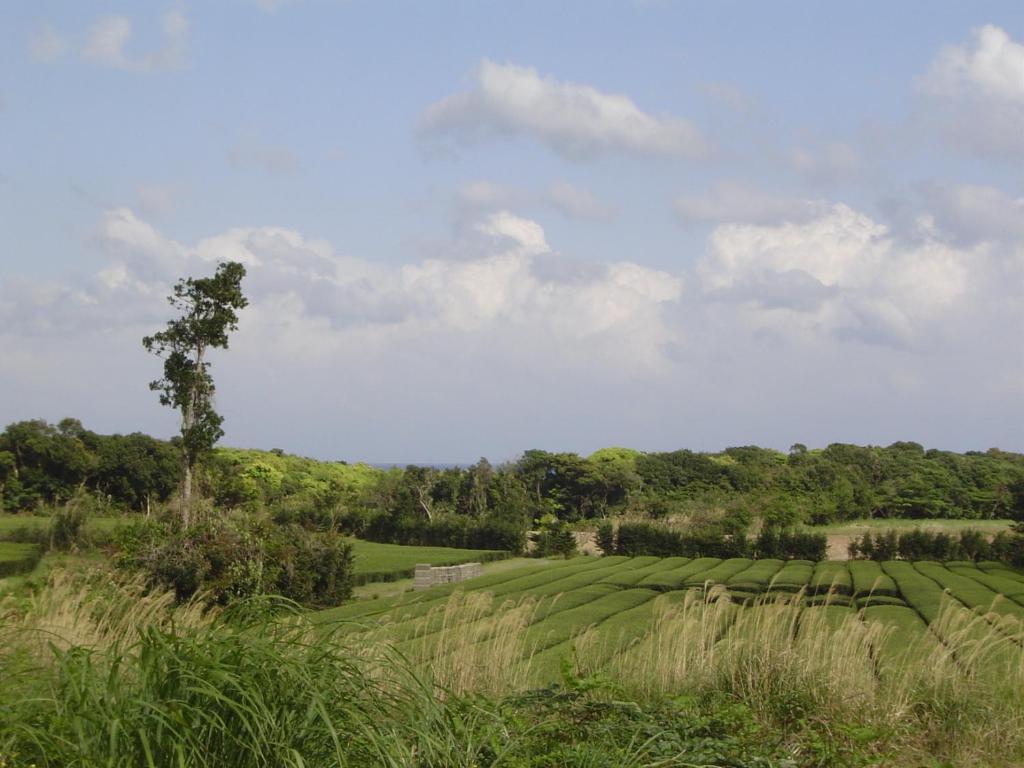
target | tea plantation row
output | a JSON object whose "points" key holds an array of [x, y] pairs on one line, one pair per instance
{"points": [[613, 602]]}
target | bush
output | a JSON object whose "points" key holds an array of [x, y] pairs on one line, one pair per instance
{"points": [[233, 558], [554, 539], [650, 539], [67, 528], [458, 531], [790, 545], [606, 538], [969, 544]]}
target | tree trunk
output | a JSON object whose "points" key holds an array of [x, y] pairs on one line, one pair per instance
{"points": [[186, 492], [188, 420]]}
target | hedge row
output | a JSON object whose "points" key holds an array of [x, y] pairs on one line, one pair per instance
{"points": [[458, 531], [639, 538], [969, 544]]}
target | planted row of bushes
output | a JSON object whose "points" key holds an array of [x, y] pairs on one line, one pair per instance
{"points": [[458, 531], [969, 544], [639, 538]]}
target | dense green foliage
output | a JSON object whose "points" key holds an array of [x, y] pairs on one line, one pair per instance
{"points": [[599, 668], [636, 538], [45, 464], [241, 556], [208, 310], [937, 545], [263, 693], [715, 496]]}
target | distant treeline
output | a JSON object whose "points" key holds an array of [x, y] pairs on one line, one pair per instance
{"points": [[43, 464]]}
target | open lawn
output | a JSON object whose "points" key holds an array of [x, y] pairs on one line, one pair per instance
{"points": [[12, 523], [391, 562], [878, 525]]}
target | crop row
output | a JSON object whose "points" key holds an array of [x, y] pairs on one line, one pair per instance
{"points": [[605, 610]]}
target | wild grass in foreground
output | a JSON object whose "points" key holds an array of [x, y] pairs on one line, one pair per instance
{"points": [[104, 674]]}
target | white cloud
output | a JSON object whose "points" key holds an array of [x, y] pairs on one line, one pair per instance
{"points": [[46, 44], [841, 273], [572, 201], [110, 36], [730, 201], [971, 213], [577, 121], [991, 65], [502, 291], [977, 92]]}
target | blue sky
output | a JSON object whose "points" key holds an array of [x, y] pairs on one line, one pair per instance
{"points": [[475, 228]]}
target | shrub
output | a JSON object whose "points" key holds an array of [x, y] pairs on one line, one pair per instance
{"points": [[606, 538], [67, 527], [458, 531], [919, 544], [554, 540], [233, 558], [789, 545]]}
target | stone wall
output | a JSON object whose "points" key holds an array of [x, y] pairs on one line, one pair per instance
{"points": [[431, 575]]}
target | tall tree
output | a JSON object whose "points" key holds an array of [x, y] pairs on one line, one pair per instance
{"points": [[208, 308]]}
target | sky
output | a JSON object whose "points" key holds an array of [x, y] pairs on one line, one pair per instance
{"points": [[475, 228]]}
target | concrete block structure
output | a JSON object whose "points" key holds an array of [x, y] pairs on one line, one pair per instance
{"points": [[431, 575]]}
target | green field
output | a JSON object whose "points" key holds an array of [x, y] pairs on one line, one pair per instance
{"points": [[390, 562], [18, 558], [613, 607], [879, 525], [12, 523]]}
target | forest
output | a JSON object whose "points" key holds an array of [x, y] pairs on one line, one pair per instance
{"points": [[45, 464]]}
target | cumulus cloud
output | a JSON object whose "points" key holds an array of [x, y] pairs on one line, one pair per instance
{"points": [[972, 213], [298, 282], [577, 121], [977, 90], [991, 64], [736, 202], [843, 274], [570, 200], [109, 37]]}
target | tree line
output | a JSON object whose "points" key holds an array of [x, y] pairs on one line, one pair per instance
{"points": [[44, 464]]}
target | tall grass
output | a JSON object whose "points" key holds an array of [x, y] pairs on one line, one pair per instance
{"points": [[96, 673]]}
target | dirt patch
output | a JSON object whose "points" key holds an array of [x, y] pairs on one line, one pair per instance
{"points": [[837, 546], [586, 543]]}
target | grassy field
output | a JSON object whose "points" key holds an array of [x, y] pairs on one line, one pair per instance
{"points": [[858, 527], [12, 523], [18, 558], [652, 661], [614, 602], [866, 642], [390, 562]]}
